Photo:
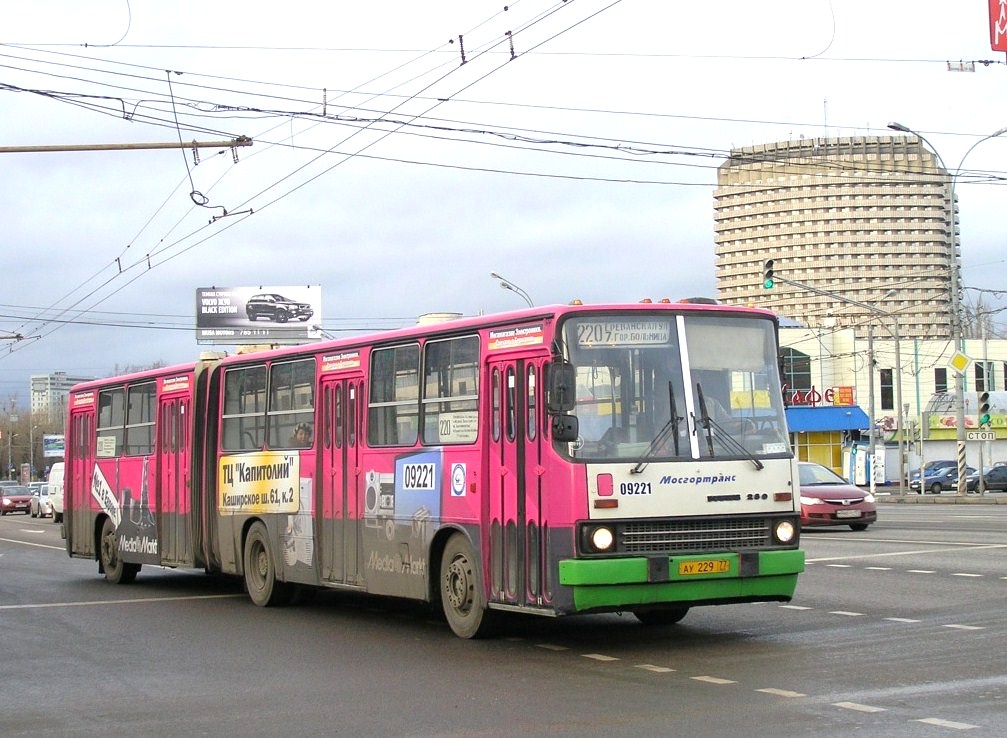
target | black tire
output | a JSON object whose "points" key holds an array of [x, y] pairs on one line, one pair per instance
{"points": [[461, 590], [281, 316], [252, 315], [116, 570], [858, 526], [935, 488], [260, 570], [661, 616]]}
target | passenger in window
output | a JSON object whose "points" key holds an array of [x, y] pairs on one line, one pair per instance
{"points": [[301, 437]]}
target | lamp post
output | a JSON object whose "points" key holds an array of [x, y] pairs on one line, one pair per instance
{"points": [[31, 451], [508, 285], [956, 317], [10, 455], [898, 365]]}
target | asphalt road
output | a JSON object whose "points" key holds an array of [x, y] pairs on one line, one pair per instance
{"points": [[895, 631]]}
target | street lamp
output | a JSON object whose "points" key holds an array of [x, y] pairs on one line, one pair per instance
{"points": [[956, 318], [898, 364], [508, 285]]}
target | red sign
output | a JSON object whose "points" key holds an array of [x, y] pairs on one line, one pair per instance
{"points": [[998, 25]]}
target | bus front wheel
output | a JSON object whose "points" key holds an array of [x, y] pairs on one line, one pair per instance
{"points": [[116, 570], [462, 591], [260, 570]]}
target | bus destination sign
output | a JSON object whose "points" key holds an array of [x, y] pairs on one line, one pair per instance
{"points": [[623, 333]]}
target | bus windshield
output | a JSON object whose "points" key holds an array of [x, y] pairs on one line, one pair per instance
{"points": [[675, 387]]}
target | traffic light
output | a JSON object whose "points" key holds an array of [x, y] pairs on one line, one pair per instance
{"points": [[767, 275], [984, 409]]}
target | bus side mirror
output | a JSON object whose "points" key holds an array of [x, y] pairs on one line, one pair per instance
{"points": [[565, 428], [561, 389]]}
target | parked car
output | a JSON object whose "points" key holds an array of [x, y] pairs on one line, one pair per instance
{"points": [[828, 499], [939, 480], [41, 506], [994, 479], [56, 491], [932, 466], [15, 499], [277, 307]]}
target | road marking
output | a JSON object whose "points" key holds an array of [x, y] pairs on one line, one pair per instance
{"points": [[961, 546], [963, 627], [839, 566], [858, 707], [134, 601], [962, 574], [803, 607], [845, 612], [713, 680], [781, 692], [553, 647], [878, 568], [921, 571], [599, 657], [29, 543], [947, 724], [652, 667], [903, 620]]}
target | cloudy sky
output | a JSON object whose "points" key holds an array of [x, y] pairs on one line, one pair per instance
{"points": [[402, 151]]}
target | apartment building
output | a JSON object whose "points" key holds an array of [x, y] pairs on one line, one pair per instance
{"points": [[867, 218]]}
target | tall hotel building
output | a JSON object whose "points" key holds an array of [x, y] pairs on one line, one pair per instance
{"points": [[863, 217]]}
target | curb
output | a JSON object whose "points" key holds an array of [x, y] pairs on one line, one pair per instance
{"points": [[911, 498]]}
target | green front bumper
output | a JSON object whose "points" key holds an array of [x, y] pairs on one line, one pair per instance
{"points": [[611, 584]]}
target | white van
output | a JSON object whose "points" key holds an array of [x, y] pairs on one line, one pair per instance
{"points": [[56, 491]]}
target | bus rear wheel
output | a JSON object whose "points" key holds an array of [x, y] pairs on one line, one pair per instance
{"points": [[260, 570], [461, 590], [661, 616], [116, 570]]}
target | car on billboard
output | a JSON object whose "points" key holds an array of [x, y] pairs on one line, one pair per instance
{"points": [[277, 308]]}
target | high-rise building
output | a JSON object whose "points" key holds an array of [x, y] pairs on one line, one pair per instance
{"points": [[49, 393], [864, 217]]}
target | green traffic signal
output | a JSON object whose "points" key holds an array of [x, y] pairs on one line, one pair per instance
{"points": [[767, 275], [984, 409]]}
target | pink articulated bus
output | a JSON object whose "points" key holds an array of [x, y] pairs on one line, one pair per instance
{"points": [[553, 461]]}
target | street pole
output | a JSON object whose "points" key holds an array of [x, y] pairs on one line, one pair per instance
{"points": [[898, 366], [956, 316], [31, 451], [870, 406]]}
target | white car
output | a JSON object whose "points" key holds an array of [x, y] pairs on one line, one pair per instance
{"points": [[41, 506]]}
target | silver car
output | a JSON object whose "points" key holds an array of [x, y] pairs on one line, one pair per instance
{"points": [[41, 506]]}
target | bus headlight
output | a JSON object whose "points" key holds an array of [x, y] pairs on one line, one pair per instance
{"points": [[784, 531], [601, 539]]}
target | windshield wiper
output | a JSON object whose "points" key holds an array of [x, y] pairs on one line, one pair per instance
{"points": [[723, 435], [671, 427]]}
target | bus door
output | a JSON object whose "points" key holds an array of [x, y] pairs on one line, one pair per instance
{"points": [[515, 479], [170, 480], [340, 470], [78, 520]]}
